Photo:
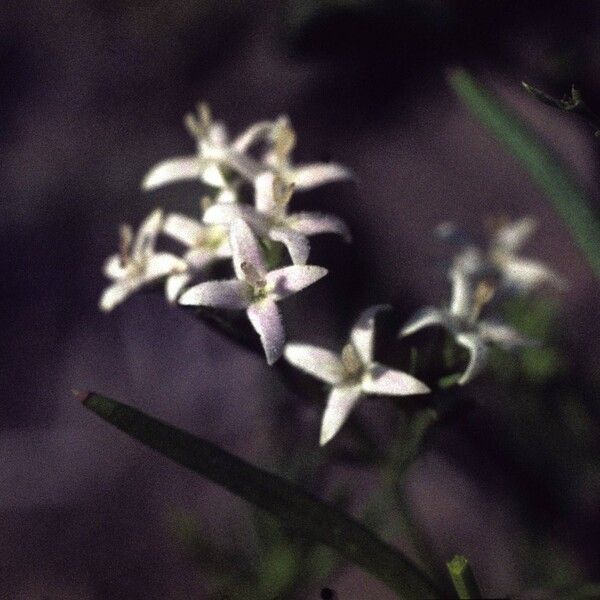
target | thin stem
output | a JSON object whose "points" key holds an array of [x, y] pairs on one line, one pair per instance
{"points": [[463, 579], [403, 453]]}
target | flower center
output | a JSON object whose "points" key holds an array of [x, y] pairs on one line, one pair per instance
{"points": [[484, 292], [254, 278], [351, 362]]}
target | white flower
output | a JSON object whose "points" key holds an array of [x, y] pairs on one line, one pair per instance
{"points": [[304, 177], [214, 157], [255, 289], [520, 273], [137, 264], [514, 273], [270, 219], [351, 375], [206, 244], [469, 296]]}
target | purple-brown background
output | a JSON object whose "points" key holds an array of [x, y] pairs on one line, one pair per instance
{"points": [[92, 94]]}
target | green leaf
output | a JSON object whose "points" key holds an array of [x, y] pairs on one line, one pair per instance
{"points": [[301, 513], [546, 170]]}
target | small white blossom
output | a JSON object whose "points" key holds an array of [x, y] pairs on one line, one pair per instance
{"points": [[206, 244], [520, 273], [215, 155], [255, 289], [304, 177], [514, 272], [270, 218], [351, 375], [137, 264], [469, 295]]}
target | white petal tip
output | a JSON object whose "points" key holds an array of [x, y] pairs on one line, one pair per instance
{"points": [[326, 437]]}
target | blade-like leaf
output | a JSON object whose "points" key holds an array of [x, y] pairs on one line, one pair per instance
{"points": [[298, 511], [547, 171]]}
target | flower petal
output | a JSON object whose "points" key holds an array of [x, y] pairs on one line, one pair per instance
{"points": [[504, 336], [175, 285], [145, 238], [307, 177], [264, 193], [211, 174], [232, 294], [297, 243], [200, 258], [463, 293], [468, 269], [255, 133], [118, 292], [266, 320], [313, 223], [225, 214], [184, 229], [478, 351], [246, 166], [172, 170], [289, 280], [389, 382], [341, 401], [318, 362], [426, 317], [527, 275], [363, 332], [113, 267], [226, 196], [245, 249], [512, 236], [162, 264]]}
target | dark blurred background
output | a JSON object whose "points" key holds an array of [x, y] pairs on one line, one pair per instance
{"points": [[92, 94]]}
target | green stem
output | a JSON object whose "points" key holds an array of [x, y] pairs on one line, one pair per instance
{"points": [[402, 454], [463, 579], [299, 512]]}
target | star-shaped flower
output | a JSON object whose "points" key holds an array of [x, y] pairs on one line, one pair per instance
{"points": [[469, 296], [306, 176], [206, 244], [270, 218], [351, 375], [214, 157], [137, 264], [255, 289], [513, 272]]}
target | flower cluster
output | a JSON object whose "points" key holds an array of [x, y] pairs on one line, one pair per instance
{"points": [[229, 228], [254, 236]]}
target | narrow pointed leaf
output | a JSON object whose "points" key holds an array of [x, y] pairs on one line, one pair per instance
{"points": [[298, 511], [546, 170]]}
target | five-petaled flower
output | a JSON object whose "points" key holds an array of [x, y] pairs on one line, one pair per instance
{"points": [[270, 218], [351, 375], [255, 289], [137, 264], [469, 295]]}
